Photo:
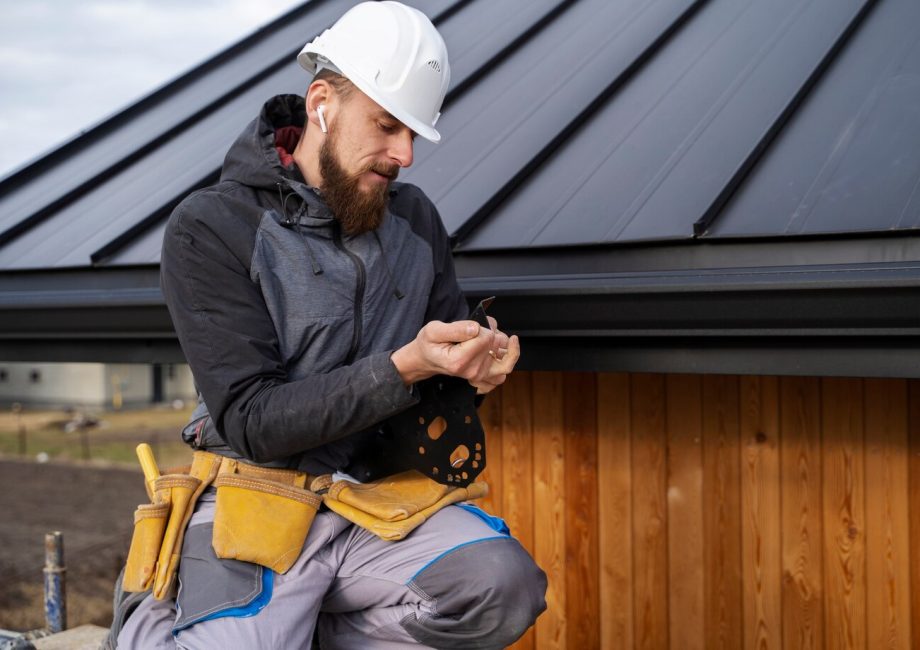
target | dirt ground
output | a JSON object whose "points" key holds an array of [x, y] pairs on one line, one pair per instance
{"points": [[92, 506]]}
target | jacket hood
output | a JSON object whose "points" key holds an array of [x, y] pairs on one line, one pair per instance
{"points": [[253, 159]]}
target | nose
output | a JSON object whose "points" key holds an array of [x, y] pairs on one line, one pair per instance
{"points": [[401, 147]]}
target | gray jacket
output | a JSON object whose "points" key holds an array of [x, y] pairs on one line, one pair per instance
{"points": [[287, 323]]}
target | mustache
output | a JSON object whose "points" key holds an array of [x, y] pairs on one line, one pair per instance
{"points": [[388, 171]]}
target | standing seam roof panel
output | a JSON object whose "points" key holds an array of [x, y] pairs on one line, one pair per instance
{"points": [[850, 158], [129, 196], [720, 110], [660, 151], [143, 249], [478, 31], [476, 59], [530, 105]]}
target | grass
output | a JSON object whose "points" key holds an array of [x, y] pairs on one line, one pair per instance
{"points": [[112, 436]]}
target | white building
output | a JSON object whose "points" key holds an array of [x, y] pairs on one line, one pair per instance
{"points": [[102, 385]]}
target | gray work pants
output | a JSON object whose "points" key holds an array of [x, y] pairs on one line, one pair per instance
{"points": [[457, 581]]}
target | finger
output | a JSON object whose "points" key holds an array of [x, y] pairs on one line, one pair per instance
{"points": [[472, 355], [505, 364], [499, 354], [493, 324], [501, 340], [456, 332]]}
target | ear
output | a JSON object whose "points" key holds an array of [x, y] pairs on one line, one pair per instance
{"points": [[318, 94]]}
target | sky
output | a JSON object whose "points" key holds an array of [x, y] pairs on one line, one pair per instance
{"points": [[65, 65]]}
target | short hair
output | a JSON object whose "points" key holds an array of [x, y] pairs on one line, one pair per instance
{"points": [[342, 85]]}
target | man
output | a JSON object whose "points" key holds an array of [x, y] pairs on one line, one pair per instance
{"points": [[310, 293]]}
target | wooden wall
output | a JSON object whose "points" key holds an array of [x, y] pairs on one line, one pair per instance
{"points": [[691, 512]]}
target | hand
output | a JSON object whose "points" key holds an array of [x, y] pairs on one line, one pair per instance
{"points": [[505, 354], [484, 357], [459, 349]]}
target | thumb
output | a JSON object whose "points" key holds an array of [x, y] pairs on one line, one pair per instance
{"points": [[456, 332]]}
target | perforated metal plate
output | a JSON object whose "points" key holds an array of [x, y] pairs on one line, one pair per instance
{"points": [[441, 436]]}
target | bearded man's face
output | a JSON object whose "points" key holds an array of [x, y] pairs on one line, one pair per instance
{"points": [[359, 209], [359, 158]]}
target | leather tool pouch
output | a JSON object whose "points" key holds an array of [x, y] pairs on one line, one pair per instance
{"points": [[180, 491], [261, 520], [149, 526], [393, 507], [153, 557]]}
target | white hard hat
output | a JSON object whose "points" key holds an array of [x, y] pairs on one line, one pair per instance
{"points": [[394, 55]]}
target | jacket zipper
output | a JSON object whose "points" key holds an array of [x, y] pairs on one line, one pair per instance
{"points": [[359, 292]]}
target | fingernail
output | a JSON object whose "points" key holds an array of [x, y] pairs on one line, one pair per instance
{"points": [[472, 329]]}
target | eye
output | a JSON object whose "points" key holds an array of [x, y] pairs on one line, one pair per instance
{"points": [[387, 127]]}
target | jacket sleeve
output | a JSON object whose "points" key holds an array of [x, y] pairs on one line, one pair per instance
{"points": [[231, 345]]}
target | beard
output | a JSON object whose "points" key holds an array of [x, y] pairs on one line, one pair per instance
{"points": [[357, 210]]}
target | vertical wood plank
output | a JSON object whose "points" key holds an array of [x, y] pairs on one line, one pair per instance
{"points": [[490, 414], [517, 457], [722, 512], [844, 513], [650, 535], [581, 588], [549, 504], [887, 560], [685, 511], [800, 460], [615, 511], [914, 509], [761, 564], [517, 468]]}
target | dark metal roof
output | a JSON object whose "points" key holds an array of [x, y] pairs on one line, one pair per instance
{"points": [[624, 175]]}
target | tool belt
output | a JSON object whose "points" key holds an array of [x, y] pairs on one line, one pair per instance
{"points": [[262, 515]]}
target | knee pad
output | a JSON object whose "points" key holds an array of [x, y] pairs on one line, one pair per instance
{"points": [[486, 594]]}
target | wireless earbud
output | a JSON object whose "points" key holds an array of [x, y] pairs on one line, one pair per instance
{"points": [[322, 119]]}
